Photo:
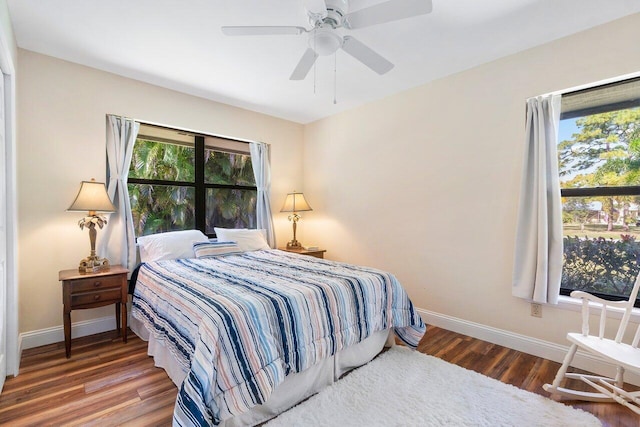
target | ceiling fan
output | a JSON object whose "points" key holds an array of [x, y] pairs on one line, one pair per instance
{"points": [[326, 17]]}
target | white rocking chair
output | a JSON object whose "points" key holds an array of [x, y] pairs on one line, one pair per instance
{"points": [[623, 356]]}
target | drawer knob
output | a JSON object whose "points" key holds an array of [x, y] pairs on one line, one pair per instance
{"points": [[96, 297], [97, 283]]}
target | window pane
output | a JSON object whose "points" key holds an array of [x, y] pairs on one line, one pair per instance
{"points": [[600, 150], [601, 233], [601, 216], [230, 209], [601, 244], [160, 208], [162, 161], [228, 168]]}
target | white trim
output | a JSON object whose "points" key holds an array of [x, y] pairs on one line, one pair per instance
{"points": [[3, 367], [8, 67], [523, 343], [575, 304], [12, 349], [56, 334]]}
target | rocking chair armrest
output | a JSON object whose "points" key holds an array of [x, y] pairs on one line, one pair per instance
{"points": [[593, 298]]}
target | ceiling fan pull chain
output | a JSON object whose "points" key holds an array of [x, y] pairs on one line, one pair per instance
{"points": [[315, 34]]}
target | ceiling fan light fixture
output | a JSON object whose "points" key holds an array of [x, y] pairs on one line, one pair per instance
{"points": [[325, 41]]}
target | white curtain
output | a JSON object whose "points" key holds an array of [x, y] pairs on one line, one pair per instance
{"points": [[118, 237], [261, 162], [538, 255]]}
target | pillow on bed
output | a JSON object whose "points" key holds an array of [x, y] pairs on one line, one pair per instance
{"points": [[248, 240], [213, 249], [169, 245]]}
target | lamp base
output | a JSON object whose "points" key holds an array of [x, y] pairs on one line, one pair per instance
{"points": [[294, 244], [93, 264]]}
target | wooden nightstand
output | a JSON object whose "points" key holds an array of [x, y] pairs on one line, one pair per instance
{"points": [[91, 290], [318, 253]]}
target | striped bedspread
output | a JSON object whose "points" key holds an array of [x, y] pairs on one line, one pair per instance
{"points": [[240, 323]]}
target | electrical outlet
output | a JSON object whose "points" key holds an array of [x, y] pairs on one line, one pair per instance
{"points": [[536, 309]]}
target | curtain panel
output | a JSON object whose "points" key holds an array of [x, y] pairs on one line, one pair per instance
{"points": [[538, 254], [261, 161], [119, 237]]}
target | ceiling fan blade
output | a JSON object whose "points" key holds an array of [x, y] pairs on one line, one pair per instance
{"points": [[262, 31], [316, 7], [365, 55], [388, 11], [306, 62]]}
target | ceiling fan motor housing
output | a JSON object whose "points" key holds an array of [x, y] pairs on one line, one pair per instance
{"points": [[335, 13]]}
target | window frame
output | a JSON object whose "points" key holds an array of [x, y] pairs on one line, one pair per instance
{"points": [[633, 190], [199, 184]]}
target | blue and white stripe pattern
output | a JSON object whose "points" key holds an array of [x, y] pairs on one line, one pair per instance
{"points": [[240, 323], [213, 249]]}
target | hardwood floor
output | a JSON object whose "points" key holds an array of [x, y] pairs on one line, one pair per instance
{"points": [[107, 383]]}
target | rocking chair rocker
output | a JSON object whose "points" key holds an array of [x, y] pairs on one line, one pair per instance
{"points": [[623, 356]]}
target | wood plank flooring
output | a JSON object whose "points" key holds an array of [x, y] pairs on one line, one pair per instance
{"points": [[108, 383]]}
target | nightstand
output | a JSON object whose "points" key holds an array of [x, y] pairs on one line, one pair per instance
{"points": [[91, 290], [318, 253]]}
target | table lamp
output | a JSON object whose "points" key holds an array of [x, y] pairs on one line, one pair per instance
{"points": [[93, 198], [295, 202]]}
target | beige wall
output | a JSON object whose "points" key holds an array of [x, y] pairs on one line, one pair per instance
{"points": [[61, 122], [425, 184]]}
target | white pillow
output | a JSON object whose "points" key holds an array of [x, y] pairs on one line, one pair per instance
{"points": [[248, 240], [169, 245]]}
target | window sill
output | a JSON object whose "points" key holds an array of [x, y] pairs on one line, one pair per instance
{"points": [[575, 304]]}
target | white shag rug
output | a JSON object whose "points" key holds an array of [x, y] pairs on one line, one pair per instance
{"points": [[403, 387]]}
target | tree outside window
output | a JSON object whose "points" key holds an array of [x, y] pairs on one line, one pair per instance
{"points": [[599, 166], [179, 181]]}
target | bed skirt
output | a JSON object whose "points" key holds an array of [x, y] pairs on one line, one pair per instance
{"points": [[295, 388]]}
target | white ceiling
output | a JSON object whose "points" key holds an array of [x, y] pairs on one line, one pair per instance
{"points": [[178, 44]]}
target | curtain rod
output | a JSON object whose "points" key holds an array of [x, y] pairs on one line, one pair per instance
{"points": [[230, 138]]}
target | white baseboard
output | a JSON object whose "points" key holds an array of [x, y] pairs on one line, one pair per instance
{"points": [[56, 334], [523, 343]]}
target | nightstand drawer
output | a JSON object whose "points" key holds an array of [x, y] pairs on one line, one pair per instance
{"points": [[97, 283], [110, 295]]}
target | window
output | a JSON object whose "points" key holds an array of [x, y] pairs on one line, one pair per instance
{"points": [[181, 181], [599, 166]]}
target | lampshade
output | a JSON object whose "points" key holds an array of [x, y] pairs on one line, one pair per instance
{"points": [[295, 202], [92, 197]]}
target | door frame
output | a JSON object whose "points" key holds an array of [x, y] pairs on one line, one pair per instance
{"points": [[13, 349]]}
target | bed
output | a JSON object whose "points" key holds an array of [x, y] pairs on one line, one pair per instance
{"points": [[247, 335]]}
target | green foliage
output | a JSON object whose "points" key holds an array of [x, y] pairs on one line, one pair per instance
{"points": [[606, 266], [575, 210], [607, 149], [228, 168], [606, 152], [162, 161], [159, 208], [230, 209]]}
